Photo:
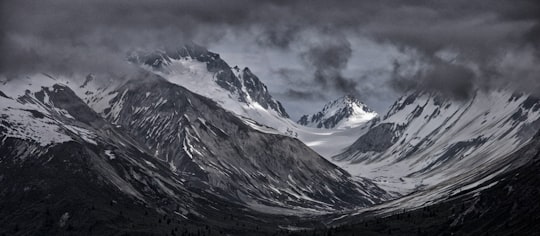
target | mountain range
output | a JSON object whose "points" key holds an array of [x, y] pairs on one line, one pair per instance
{"points": [[191, 145]]}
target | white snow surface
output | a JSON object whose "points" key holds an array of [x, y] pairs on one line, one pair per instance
{"points": [[45, 130], [19, 114]]}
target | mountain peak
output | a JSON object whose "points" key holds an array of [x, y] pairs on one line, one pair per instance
{"points": [[344, 112], [351, 100], [206, 73]]}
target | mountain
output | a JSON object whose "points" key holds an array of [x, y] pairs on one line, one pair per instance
{"points": [[154, 152], [426, 139], [344, 112], [197, 137], [205, 73], [65, 169]]}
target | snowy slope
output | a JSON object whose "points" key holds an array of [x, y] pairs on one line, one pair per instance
{"points": [[342, 113], [40, 113], [27, 118], [507, 185], [503, 205], [32, 114], [426, 139]]}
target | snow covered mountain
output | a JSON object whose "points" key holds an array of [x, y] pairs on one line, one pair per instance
{"points": [[205, 73], [196, 136], [426, 139], [187, 135], [64, 168], [342, 113]]}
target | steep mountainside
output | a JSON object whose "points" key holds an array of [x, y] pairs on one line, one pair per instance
{"points": [[426, 139], [344, 112], [63, 168], [196, 137]]}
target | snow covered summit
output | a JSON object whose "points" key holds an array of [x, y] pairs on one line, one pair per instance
{"points": [[205, 73], [344, 112]]}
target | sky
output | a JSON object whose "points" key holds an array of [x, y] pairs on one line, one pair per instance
{"points": [[307, 52]]}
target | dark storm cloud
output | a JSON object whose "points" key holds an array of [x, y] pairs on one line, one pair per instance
{"points": [[533, 35], [280, 36], [328, 57], [304, 95], [488, 38], [480, 37], [76, 35], [455, 81], [293, 77]]}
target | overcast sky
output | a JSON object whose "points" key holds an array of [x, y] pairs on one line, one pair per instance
{"points": [[307, 52]]}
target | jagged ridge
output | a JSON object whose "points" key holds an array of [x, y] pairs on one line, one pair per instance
{"points": [[243, 85]]}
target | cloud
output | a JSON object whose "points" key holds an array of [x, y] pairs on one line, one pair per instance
{"points": [[493, 43], [455, 81], [304, 95], [66, 36], [280, 36], [478, 39]]}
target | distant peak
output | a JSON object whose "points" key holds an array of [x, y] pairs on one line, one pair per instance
{"points": [[349, 97], [240, 84], [344, 112], [347, 101]]}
